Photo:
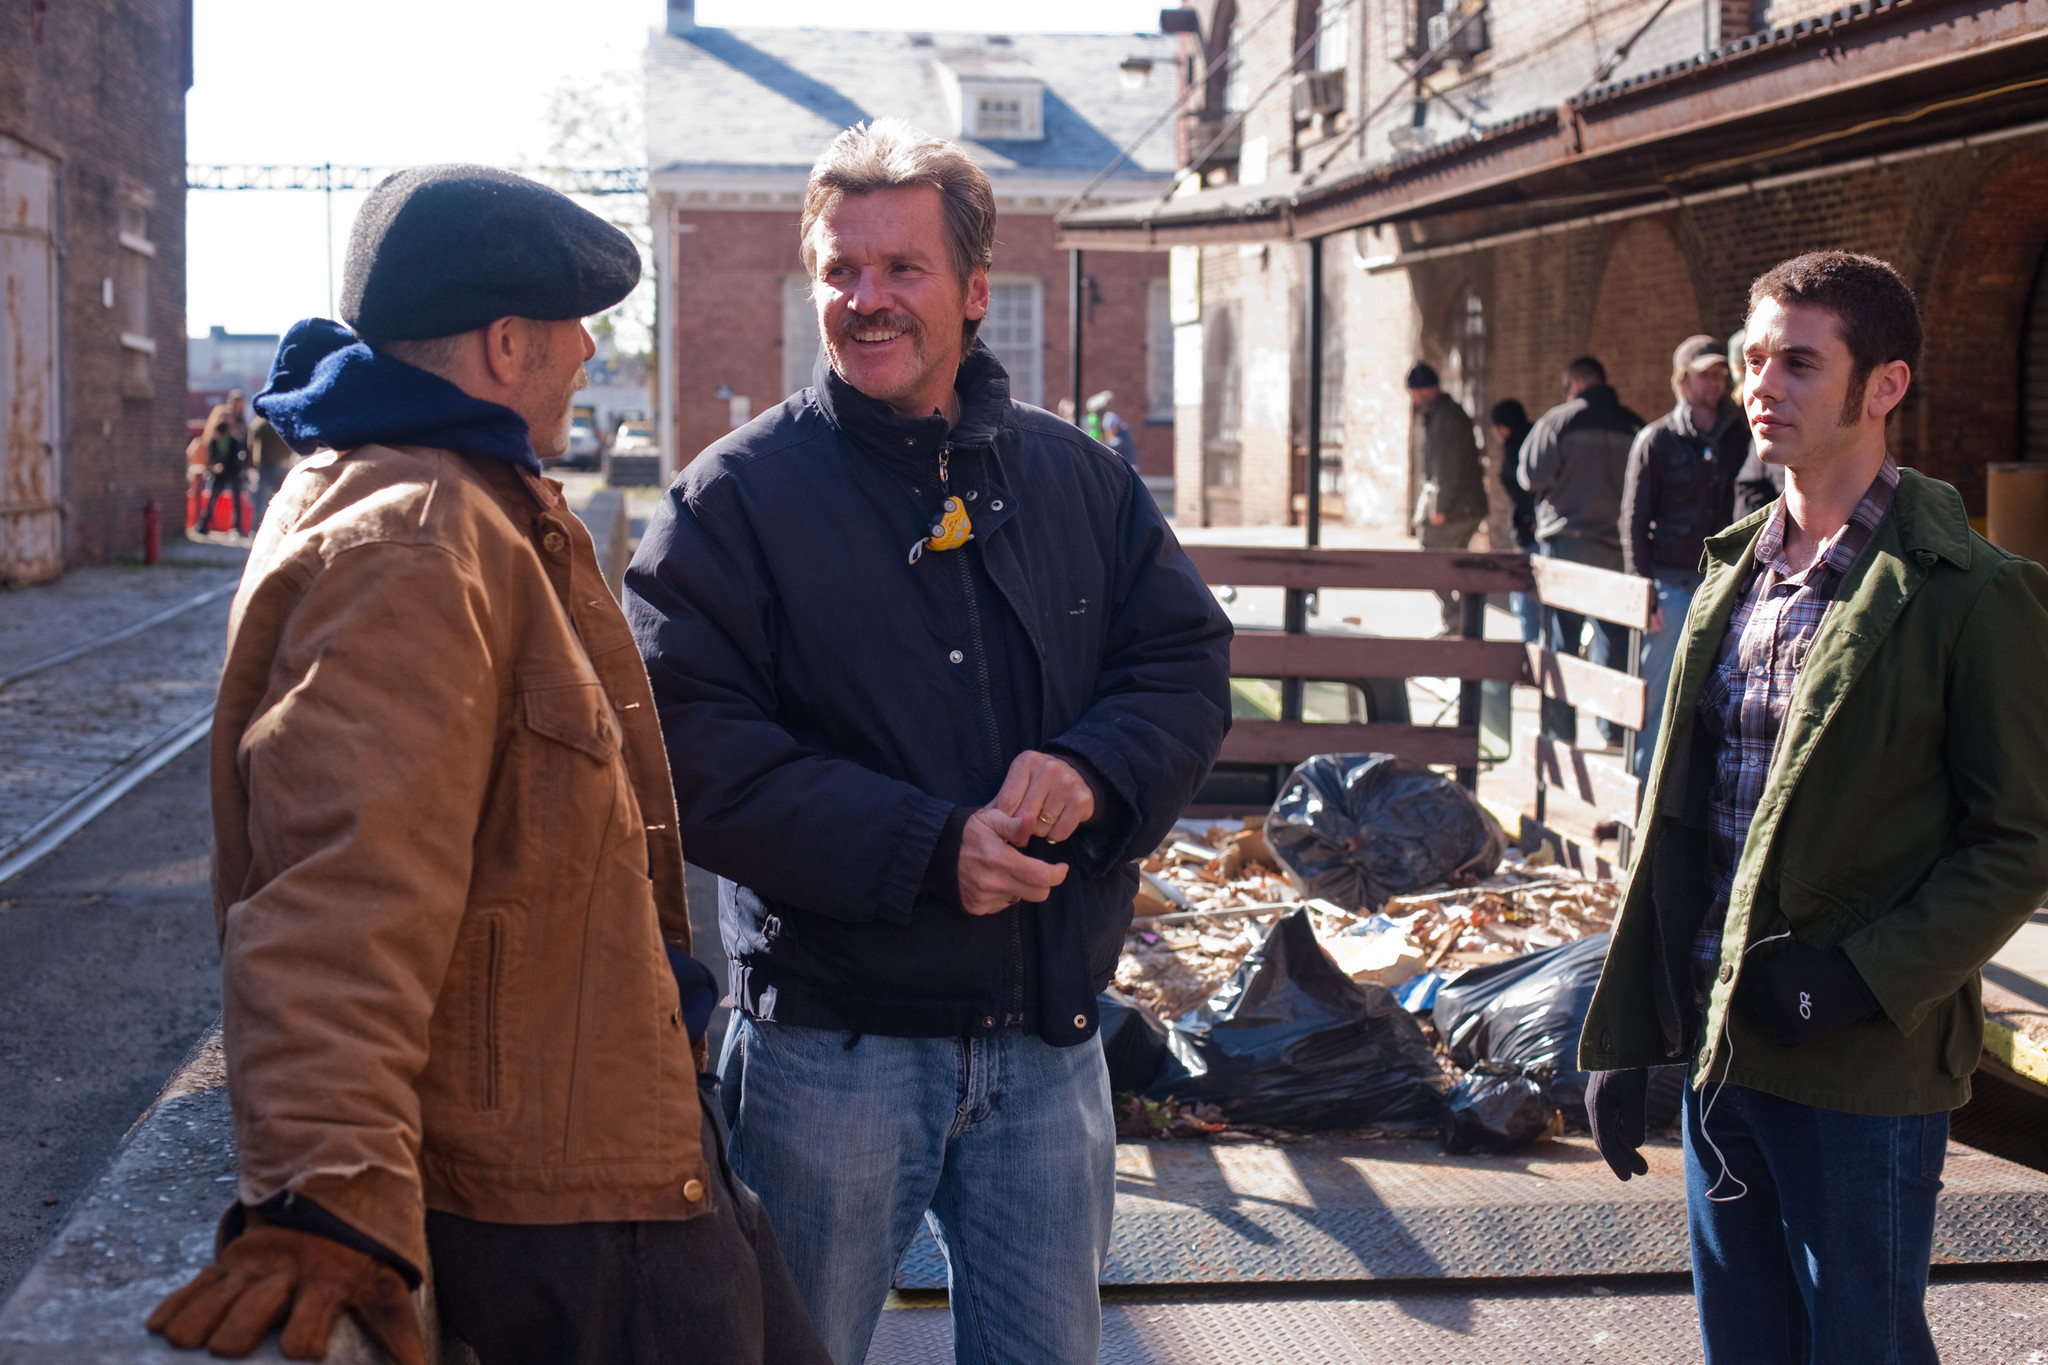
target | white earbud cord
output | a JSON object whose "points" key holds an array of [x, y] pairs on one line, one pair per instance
{"points": [[1727, 1065]]}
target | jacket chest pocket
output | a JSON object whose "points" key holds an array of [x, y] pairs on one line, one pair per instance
{"points": [[573, 796]]}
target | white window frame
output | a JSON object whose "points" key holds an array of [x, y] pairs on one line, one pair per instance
{"points": [[800, 344], [1023, 357], [1159, 347]]}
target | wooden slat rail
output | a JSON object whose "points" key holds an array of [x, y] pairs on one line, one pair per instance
{"points": [[1579, 792], [1618, 597], [1272, 654], [1279, 741], [1606, 692], [1288, 567]]}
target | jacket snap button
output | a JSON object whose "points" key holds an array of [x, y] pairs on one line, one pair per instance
{"points": [[988, 1021], [1080, 1021], [554, 542], [693, 1190], [956, 656], [1727, 972]]}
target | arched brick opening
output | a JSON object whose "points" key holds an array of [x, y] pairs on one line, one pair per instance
{"points": [[1645, 307], [1964, 410]]}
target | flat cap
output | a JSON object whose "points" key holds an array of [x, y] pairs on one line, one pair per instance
{"points": [[438, 250], [1699, 353]]}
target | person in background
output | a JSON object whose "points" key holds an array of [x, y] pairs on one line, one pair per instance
{"points": [[273, 460], [1847, 816], [225, 444], [1511, 427], [1450, 500], [1573, 464], [1680, 489], [1116, 434]]}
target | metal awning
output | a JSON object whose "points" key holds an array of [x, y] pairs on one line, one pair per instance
{"points": [[1874, 77]]}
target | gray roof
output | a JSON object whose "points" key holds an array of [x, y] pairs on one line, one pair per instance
{"points": [[769, 98]]}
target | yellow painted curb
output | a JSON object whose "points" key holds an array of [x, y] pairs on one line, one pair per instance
{"points": [[2016, 1051]]}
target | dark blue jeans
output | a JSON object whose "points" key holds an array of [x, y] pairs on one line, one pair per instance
{"points": [[1824, 1260]]}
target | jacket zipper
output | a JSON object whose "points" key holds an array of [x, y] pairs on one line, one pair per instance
{"points": [[1013, 967]]}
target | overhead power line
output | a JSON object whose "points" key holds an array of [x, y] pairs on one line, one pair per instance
{"points": [[327, 177]]}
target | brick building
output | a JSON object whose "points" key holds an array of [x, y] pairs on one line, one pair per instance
{"points": [[1498, 191], [92, 269], [736, 117]]}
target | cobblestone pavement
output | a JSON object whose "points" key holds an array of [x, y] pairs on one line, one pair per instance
{"points": [[64, 728]]}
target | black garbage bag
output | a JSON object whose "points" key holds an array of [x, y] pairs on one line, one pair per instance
{"points": [[1133, 1041], [1292, 1042], [1357, 828], [1497, 1108], [1527, 1012]]}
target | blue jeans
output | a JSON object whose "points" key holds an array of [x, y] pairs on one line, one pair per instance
{"points": [[1824, 1260], [1005, 1142], [1675, 588], [1609, 646], [1529, 612]]}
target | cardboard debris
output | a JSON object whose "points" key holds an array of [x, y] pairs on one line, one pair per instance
{"points": [[1173, 965]]}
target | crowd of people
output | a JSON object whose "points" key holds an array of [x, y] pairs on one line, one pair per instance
{"points": [[1591, 482], [219, 459], [919, 672]]}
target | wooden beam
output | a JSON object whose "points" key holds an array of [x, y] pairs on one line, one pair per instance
{"points": [[1275, 566], [1275, 741], [1606, 692], [1272, 654], [1573, 778], [1606, 594]]}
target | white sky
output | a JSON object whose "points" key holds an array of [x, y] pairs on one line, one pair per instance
{"points": [[394, 82]]}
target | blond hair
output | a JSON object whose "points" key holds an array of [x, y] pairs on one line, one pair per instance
{"points": [[889, 154]]}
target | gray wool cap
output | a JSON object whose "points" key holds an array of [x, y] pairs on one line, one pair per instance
{"points": [[438, 250]]}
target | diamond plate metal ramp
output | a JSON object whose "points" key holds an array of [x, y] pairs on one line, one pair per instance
{"points": [[1346, 1209], [1975, 1322]]}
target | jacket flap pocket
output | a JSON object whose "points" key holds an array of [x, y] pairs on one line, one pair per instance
{"points": [[1820, 916], [575, 714]]}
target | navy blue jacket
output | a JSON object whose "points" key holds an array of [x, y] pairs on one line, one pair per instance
{"points": [[828, 702]]}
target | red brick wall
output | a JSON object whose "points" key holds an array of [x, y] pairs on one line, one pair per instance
{"points": [[726, 286], [102, 91], [1966, 231]]}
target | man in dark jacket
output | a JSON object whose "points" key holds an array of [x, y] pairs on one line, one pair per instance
{"points": [[1679, 490], [1573, 463], [1847, 816], [1450, 499], [932, 671]]}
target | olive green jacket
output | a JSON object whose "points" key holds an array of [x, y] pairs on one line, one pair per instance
{"points": [[1905, 819]]}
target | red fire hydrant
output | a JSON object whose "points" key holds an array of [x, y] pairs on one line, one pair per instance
{"points": [[152, 532]]}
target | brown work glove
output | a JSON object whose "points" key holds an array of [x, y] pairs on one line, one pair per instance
{"points": [[272, 1275]]}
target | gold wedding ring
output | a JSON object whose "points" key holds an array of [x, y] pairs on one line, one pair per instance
{"points": [[1045, 819]]}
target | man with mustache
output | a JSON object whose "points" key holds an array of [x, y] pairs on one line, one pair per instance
{"points": [[1847, 815], [461, 1017], [932, 670]]}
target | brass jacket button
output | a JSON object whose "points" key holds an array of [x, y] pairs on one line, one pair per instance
{"points": [[693, 1190], [554, 542]]}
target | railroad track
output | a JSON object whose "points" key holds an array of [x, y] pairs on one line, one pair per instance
{"points": [[81, 726]]}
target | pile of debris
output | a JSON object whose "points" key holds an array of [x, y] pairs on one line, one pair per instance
{"points": [[1214, 893], [1210, 892]]}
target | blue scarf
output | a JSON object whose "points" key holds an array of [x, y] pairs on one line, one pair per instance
{"points": [[329, 390]]}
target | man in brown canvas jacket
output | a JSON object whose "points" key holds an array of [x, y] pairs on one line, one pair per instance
{"points": [[449, 886]]}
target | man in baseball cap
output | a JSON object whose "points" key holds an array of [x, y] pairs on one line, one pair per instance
{"points": [[1679, 489], [463, 1028]]}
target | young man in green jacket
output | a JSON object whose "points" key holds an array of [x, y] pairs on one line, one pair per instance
{"points": [[1847, 815]]}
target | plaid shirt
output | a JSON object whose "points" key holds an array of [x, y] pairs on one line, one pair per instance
{"points": [[1743, 705]]}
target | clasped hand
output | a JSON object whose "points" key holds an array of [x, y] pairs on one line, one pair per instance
{"points": [[1041, 797]]}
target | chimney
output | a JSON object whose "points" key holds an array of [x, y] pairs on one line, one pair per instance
{"points": [[682, 16]]}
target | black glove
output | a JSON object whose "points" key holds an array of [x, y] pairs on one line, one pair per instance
{"points": [[1617, 1104], [1794, 993]]}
